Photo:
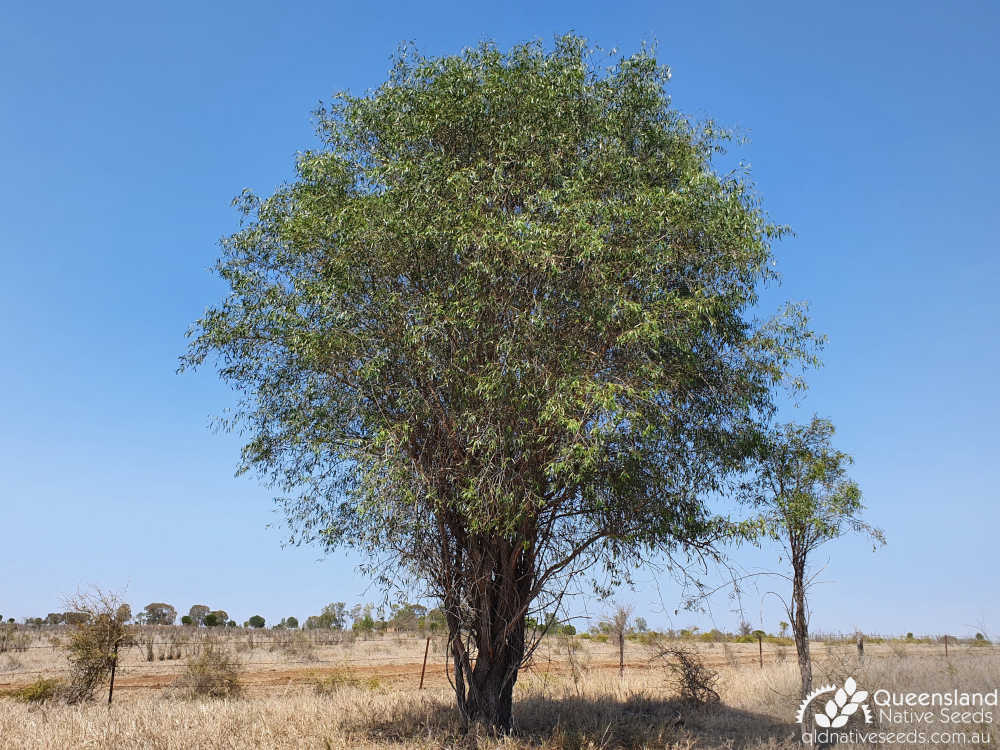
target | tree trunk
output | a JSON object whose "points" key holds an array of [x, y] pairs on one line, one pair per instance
{"points": [[800, 625], [491, 688], [495, 602]]}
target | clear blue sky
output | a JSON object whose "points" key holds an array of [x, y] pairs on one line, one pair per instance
{"points": [[125, 130]]}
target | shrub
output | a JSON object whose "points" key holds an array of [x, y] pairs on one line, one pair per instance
{"points": [[567, 630], [256, 621], [291, 622], [214, 673], [211, 620], [187, 620], [94, 644], [39, 691], [694, 681], [329, 684]]}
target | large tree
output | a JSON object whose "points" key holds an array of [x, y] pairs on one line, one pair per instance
{"points": [[498, 332]]}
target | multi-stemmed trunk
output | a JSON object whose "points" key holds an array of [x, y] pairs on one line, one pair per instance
{"points": [[494, 625]]}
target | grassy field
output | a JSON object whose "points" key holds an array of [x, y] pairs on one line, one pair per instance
{"points": [[300, 691]]}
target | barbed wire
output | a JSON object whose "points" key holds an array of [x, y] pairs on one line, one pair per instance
{"points": [[285, 641]]}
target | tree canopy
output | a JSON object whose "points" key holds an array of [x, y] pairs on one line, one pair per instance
{"points": [[499, 330]]}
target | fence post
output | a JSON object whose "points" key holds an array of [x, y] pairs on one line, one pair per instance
{"points": [[760, 648], [621, 653], [861, 648], [946, 647], [427, 647], [114, 665]]}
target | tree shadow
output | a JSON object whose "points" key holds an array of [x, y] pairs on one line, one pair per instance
{"points": [[564, 723]]}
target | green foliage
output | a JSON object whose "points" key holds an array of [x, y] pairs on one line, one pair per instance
{"points": [[291, 622], [256, 621], [211, 620], [334, 615], [806, 495], [408, 617], [568, 629], [529, 256], [39, 691], [158, 613], [187, 620], [198, 612], [364, 624]]}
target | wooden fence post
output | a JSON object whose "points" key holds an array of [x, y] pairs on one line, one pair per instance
{"points": [[423, 669], [760, 648], [114, 665], [621, 653]]}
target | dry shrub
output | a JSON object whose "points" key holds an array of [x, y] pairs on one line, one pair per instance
{"points": [[294, 645], [332, 683], [93, 645], [214, 673], [694, 681], [13, 638]]}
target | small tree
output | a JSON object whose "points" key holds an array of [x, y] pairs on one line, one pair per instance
{"points": [[187, 620], [782, 628], [211, 620], [291, 622], [333, 616], [807, 500], [619, 627], [364, 623], [256, 621]]}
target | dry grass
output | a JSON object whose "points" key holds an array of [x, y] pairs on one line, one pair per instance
{"points": [[572, 698]]}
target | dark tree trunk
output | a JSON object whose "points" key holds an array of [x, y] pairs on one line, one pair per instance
{"points": [[800, 625], [496, 596], [491, 689]]}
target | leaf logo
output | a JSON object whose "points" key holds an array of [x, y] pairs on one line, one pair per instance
{"points": [[842, 706]]}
